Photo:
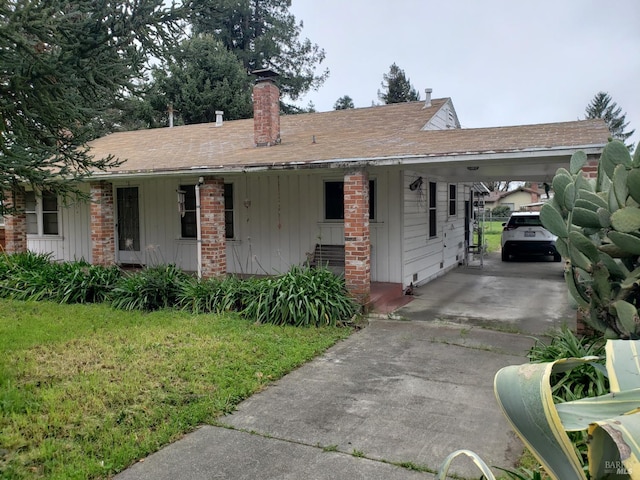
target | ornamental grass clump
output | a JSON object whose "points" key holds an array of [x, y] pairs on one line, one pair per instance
{"points": [[211, 295], [151, 288], [33, 276], [303, 297]]}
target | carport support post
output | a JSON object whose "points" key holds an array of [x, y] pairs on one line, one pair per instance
{"points": [[102, 213], [213, 241], [15, 226], [357, 239]]}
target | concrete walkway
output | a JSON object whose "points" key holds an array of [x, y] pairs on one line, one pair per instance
{"points": [[397, 394]]}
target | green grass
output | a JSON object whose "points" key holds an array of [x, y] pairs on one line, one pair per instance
{"points": [[492, 234], [85, 390]]}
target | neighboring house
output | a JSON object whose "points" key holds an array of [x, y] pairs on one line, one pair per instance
{"points": [[391, 185], [520, 198]]}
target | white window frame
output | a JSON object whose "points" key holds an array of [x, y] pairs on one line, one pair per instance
{"points": [[39, 214], [452, 201], [373, 199]]}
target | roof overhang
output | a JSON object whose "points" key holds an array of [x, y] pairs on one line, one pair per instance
{"points": [[530, 164]]}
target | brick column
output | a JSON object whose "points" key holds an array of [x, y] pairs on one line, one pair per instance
{"points": [[590, 169], [214, 244], [357, 244], [103, 242], [15, 226]]}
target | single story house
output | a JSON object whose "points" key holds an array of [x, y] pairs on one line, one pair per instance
{"points": [[519, 198], [389, 189]]}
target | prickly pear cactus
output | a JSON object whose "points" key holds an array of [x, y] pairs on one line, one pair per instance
{"points": [[597, 222]]}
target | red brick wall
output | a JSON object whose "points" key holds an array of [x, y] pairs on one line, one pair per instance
{"points": [[15, 226], [2, 238], [214, 253], [357, 244], [266, 113], [590, 169], [103, 243]]}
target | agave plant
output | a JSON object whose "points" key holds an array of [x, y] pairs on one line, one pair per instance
{"points": [[597, 222]]}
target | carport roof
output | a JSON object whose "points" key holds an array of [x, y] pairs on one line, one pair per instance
{"points": [[389, 134]]}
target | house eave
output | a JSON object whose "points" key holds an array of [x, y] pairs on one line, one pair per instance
{"points": [[477, 157]]}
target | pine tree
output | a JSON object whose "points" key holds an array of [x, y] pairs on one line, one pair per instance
{"points": [[199, 77], [263, 34], [397, 87], [343, 103], [62, 62], [602, 106]]}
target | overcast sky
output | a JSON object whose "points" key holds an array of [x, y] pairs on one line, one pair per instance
{"points": [[502, 62]]}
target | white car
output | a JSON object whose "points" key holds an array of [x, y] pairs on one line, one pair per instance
{"points": [[524, 234]]}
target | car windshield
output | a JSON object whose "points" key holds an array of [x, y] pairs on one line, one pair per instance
{"points": [[532, 221]]}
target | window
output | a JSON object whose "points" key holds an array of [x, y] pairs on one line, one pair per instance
{"points": [[334, 200], [42, 213], [188, 227], [228, 210], [433, 217], [453, 191]]}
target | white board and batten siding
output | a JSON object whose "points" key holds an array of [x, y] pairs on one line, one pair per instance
{"points": [[444, 119], [285, 219], [425, 257], [278, 220], [73, 241]]}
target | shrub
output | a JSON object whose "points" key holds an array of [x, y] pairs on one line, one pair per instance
{"points": [[501, 211], [580, 382], [81, 282], [152, 288], [303, 297], [588, 380], [211, 295]]}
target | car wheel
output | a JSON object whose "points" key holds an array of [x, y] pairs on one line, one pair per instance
{"points": [[557, 257], [505, 255]]}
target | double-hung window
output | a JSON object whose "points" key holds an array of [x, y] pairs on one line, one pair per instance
{"points": [[432, 209], [334, 200], [453, 193], [42, 213], [188, 228]]}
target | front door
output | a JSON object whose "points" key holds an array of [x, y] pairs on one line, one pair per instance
{"points": [[128, 225]]}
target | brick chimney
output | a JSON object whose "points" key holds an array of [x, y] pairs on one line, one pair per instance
{"points": [[266, 109]]}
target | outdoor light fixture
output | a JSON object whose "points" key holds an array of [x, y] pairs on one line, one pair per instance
{"points": [[416, 184]]}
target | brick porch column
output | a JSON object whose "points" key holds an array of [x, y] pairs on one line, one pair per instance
{"points": [[103, 242], [590, 169], [15, 226], [357, 244], [214, 244]]}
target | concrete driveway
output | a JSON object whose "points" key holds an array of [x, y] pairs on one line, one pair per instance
{"points": [[397, 396], [525, 295]]}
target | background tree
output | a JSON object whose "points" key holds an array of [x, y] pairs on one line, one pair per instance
{"points": [[602, 106], [199, 77], [397, 87], [498, 186], [343, 103], [262, 34], [62, 63]]}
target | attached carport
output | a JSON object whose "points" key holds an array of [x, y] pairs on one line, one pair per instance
{"points": [[527, 296]]}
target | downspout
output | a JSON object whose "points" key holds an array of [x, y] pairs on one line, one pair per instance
{"points": [[199, 228]]}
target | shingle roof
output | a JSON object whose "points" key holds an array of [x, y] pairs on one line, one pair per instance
{"points": [[380, 132]]}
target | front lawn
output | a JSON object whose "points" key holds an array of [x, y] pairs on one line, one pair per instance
{"points": [[86, 390]]}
